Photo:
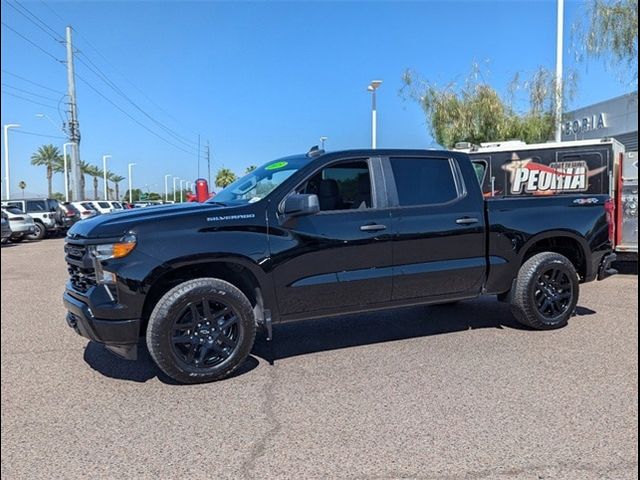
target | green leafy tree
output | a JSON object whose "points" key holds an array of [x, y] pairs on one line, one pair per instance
{"points": [[94, 172], [475, 112], [116, 179], [224, 177], [611, 34], [136, 195], [58, 196], [250, 169], [47, 156]]}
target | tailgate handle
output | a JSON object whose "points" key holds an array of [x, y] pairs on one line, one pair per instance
{"points": [[372, 227], [466, 221]]}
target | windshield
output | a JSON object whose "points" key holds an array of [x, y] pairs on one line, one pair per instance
{"points": [[259, 183]]}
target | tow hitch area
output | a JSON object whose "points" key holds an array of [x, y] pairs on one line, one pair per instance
{"points": [[606, 270]]}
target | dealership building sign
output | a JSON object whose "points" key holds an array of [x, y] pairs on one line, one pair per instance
{"points": [[585, 124]]}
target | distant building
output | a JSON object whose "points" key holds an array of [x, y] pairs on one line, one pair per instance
{"points": [[616, 118]]}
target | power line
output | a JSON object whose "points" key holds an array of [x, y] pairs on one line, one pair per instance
{"points": [[51, 9], [100, 74], [32, 82], [37, 22], [30, 100], [22, 132], [28, 92], [33, 43], [132, 117]]}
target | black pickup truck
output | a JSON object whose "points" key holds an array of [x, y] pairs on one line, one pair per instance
{"points": [[323, 234]]}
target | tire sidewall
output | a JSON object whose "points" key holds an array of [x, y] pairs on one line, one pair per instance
{"points": [[173, 303], [39, 233]]}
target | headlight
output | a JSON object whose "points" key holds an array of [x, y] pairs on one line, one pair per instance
{"points": [[115, 250]]}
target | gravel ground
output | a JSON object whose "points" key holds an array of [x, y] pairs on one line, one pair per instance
{"points": [[446, 392]]}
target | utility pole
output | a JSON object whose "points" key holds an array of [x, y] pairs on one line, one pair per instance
{"points": [[559, 39], [198, 155], [208, 166], [74, 126]]}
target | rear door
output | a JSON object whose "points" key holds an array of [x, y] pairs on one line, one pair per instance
{"points": [[438, 228]]}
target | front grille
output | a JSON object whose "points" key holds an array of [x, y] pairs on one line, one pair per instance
{"points": [[75, 252], [82, 279]]}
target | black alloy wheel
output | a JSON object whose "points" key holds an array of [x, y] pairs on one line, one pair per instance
{"points": [[553, 293], [205, 334]]}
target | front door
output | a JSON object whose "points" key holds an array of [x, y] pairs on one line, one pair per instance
{"points": [[339, 257]]}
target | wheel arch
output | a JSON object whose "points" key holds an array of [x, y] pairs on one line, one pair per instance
{"points": [[564, 242], [239, 271]]}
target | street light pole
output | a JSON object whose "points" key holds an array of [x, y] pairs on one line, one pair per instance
{"points": [[130, 184], [104, 173], [181, 190], [174, 188], [322, 140], [166, 187], [373, 86], [65, 171], [7, 181]]}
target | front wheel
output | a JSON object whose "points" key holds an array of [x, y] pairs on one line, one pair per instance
{"points": [[39, 232], [201, 330], [546, 291]]}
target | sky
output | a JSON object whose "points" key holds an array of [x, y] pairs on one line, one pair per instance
{"points": [[257, 80]]}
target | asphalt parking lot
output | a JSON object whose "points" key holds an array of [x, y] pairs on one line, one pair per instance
{"points": [[443, 392]]}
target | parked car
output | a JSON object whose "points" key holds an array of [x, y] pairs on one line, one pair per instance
{"points": [[104, 206], [68, 214], [116, 206], [86, 209], [326, 234], [21, 223], [6, 228], [43, 212]]}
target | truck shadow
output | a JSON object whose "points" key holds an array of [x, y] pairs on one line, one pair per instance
{"points": [[312, 336]]}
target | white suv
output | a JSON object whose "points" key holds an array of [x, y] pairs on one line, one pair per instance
{"points": [[43, 212]]}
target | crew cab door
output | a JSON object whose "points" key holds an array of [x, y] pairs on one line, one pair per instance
{"points": [[339, 257], [438, 228]]}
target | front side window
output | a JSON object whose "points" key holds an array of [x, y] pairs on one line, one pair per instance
{"points": [[341, 186], [423, 181], [260, 182]]}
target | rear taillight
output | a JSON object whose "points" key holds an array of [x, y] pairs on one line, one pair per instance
{"points": [[70, 214], [609, 208]]}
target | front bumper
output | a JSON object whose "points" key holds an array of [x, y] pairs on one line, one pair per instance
{"points": [[119, 336], [606, 270]]}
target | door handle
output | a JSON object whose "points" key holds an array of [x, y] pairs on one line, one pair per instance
{"points": [[373, 227], [466, 221]]}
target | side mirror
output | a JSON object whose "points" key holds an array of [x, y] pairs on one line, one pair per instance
{"points": [[301, 204]]}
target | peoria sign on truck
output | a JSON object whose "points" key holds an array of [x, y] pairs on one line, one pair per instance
{"points": [[532, 177]]}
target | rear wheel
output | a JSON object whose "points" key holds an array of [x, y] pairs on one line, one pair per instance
{"points": [[546, 292], [201, 330], [39, 233]]}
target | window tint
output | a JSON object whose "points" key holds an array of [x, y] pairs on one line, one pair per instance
{"points": [[480, 167], [423, 181], [341, 186], [36, 206], [14, 210], [18, 205], [104, 205]]}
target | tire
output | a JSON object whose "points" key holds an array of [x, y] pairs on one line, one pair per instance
{"points": [[546, 291], [17, 239], [40, 232], [185, 345]]}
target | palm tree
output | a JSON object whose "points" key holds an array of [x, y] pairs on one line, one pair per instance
{"points": [[116, 179], [95, 172], [224, 177], [83, 170], [49, 157]]}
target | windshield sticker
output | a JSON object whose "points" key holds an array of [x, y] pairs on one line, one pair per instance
{"points": [[231, 217], [532, 177], [276, 166]]}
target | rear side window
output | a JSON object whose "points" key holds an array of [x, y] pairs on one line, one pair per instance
{"points": [[104, 205], [17, 205], [36, 206], [423, 181]]}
